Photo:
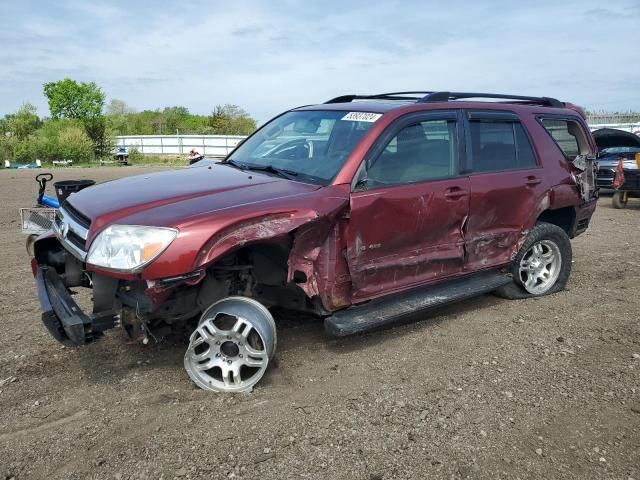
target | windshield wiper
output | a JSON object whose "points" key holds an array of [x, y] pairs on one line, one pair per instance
{"points": [[281, 172], [233, 163]]}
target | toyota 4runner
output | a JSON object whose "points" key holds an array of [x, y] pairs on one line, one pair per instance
{"points": [[363, 210]]}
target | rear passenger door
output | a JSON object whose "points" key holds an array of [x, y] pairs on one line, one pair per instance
{"points": [[408, 205], [505, 183]]}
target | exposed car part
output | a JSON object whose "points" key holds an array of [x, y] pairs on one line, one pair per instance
{"points": [[232, 346], [66, 322], [586, 179], [542, 266]]}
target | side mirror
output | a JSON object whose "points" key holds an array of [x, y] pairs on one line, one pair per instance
{"points": [[362, 181], [361, 185]]}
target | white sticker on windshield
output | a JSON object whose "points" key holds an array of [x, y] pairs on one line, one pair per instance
{"points": [[362, 116]]}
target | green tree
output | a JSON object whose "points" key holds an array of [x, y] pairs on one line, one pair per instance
{"points": [[97, 130], [62, 139], [70, 99], [74, 144], [173, 117], [118, 107], [82, 101], [231, 120], [22, 123], [16, 130]]}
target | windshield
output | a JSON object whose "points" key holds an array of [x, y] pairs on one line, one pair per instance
{"points": [[309, 145]]}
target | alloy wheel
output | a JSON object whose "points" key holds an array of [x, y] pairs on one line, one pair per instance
{"points": [[540, 267]]}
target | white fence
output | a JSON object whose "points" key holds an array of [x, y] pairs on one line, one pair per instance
{"points": [[208, 145]]}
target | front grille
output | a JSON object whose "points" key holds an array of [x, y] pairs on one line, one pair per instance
{"points": [[71, 233], [76, 239], [76, 215], [606, 173]]}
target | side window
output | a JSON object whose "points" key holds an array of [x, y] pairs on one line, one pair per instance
{"points": [[526, 157], [500, 145], [568, 135], [419, 152]]}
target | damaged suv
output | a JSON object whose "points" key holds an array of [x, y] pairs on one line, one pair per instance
{"points": [[362, 210]]}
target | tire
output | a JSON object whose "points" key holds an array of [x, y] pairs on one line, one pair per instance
{"points": [[547, 238], [617, 201]]}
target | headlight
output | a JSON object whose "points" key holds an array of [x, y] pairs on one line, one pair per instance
{"points": [[129, 247]]}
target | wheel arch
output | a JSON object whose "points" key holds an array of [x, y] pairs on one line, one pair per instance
{"points": [[272, 229], [563, 217]]}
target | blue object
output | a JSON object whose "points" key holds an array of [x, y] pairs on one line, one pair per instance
{"points": [[16, 166], [49, 202]]}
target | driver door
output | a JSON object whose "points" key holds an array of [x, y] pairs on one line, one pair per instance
{"points": [[408, 206]]}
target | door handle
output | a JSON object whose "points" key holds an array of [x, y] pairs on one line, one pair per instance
{"points": [[532, 181], [454, 192]]}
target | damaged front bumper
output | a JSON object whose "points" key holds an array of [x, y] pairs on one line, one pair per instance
{"points": [[62, 316]]}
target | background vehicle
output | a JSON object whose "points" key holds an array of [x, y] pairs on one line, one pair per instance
{"points": [[626, 181], [362, 210], [122, 155], [614, 145]]}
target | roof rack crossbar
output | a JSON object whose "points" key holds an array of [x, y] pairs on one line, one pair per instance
{"points": [[446, 96]]}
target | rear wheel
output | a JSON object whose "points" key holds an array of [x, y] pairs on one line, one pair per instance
{"points": [[542, 266], [619, 199]]}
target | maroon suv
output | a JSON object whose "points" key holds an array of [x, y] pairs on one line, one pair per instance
{"points": [[363, 211]]}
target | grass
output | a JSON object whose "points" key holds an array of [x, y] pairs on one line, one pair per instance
{"points": [[159, 160]]}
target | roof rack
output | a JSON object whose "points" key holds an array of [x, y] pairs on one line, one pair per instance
{"points": [[430, 96], [379, 96], [446, 96]]}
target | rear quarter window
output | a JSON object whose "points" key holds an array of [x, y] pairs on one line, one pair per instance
{"points": [[568, 135]]}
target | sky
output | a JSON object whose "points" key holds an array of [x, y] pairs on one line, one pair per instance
{"points": [[269, 56]]}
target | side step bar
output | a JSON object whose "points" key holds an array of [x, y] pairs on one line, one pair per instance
{"points": [[381, 313]]}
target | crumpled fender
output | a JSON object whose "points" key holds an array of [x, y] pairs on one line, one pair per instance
{"points": [[252, 230], [309, 229]]}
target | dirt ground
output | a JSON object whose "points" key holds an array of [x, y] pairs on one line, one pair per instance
{"points": [[488, 388]]}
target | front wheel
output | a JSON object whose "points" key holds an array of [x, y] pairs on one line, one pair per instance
{"points": [[232, 346], [542, 266]]}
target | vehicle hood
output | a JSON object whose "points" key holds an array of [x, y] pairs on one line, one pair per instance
{"points": [[611, 161], [173, 197], [611, 137]]}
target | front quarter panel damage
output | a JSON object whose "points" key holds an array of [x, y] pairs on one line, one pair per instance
{"points": [[312, 233]]}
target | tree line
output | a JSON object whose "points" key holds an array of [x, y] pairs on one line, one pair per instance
{"points": [[81, 128]]}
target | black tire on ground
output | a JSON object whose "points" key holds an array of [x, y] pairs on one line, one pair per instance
{"points": [[617, 201], [542, 231]]}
